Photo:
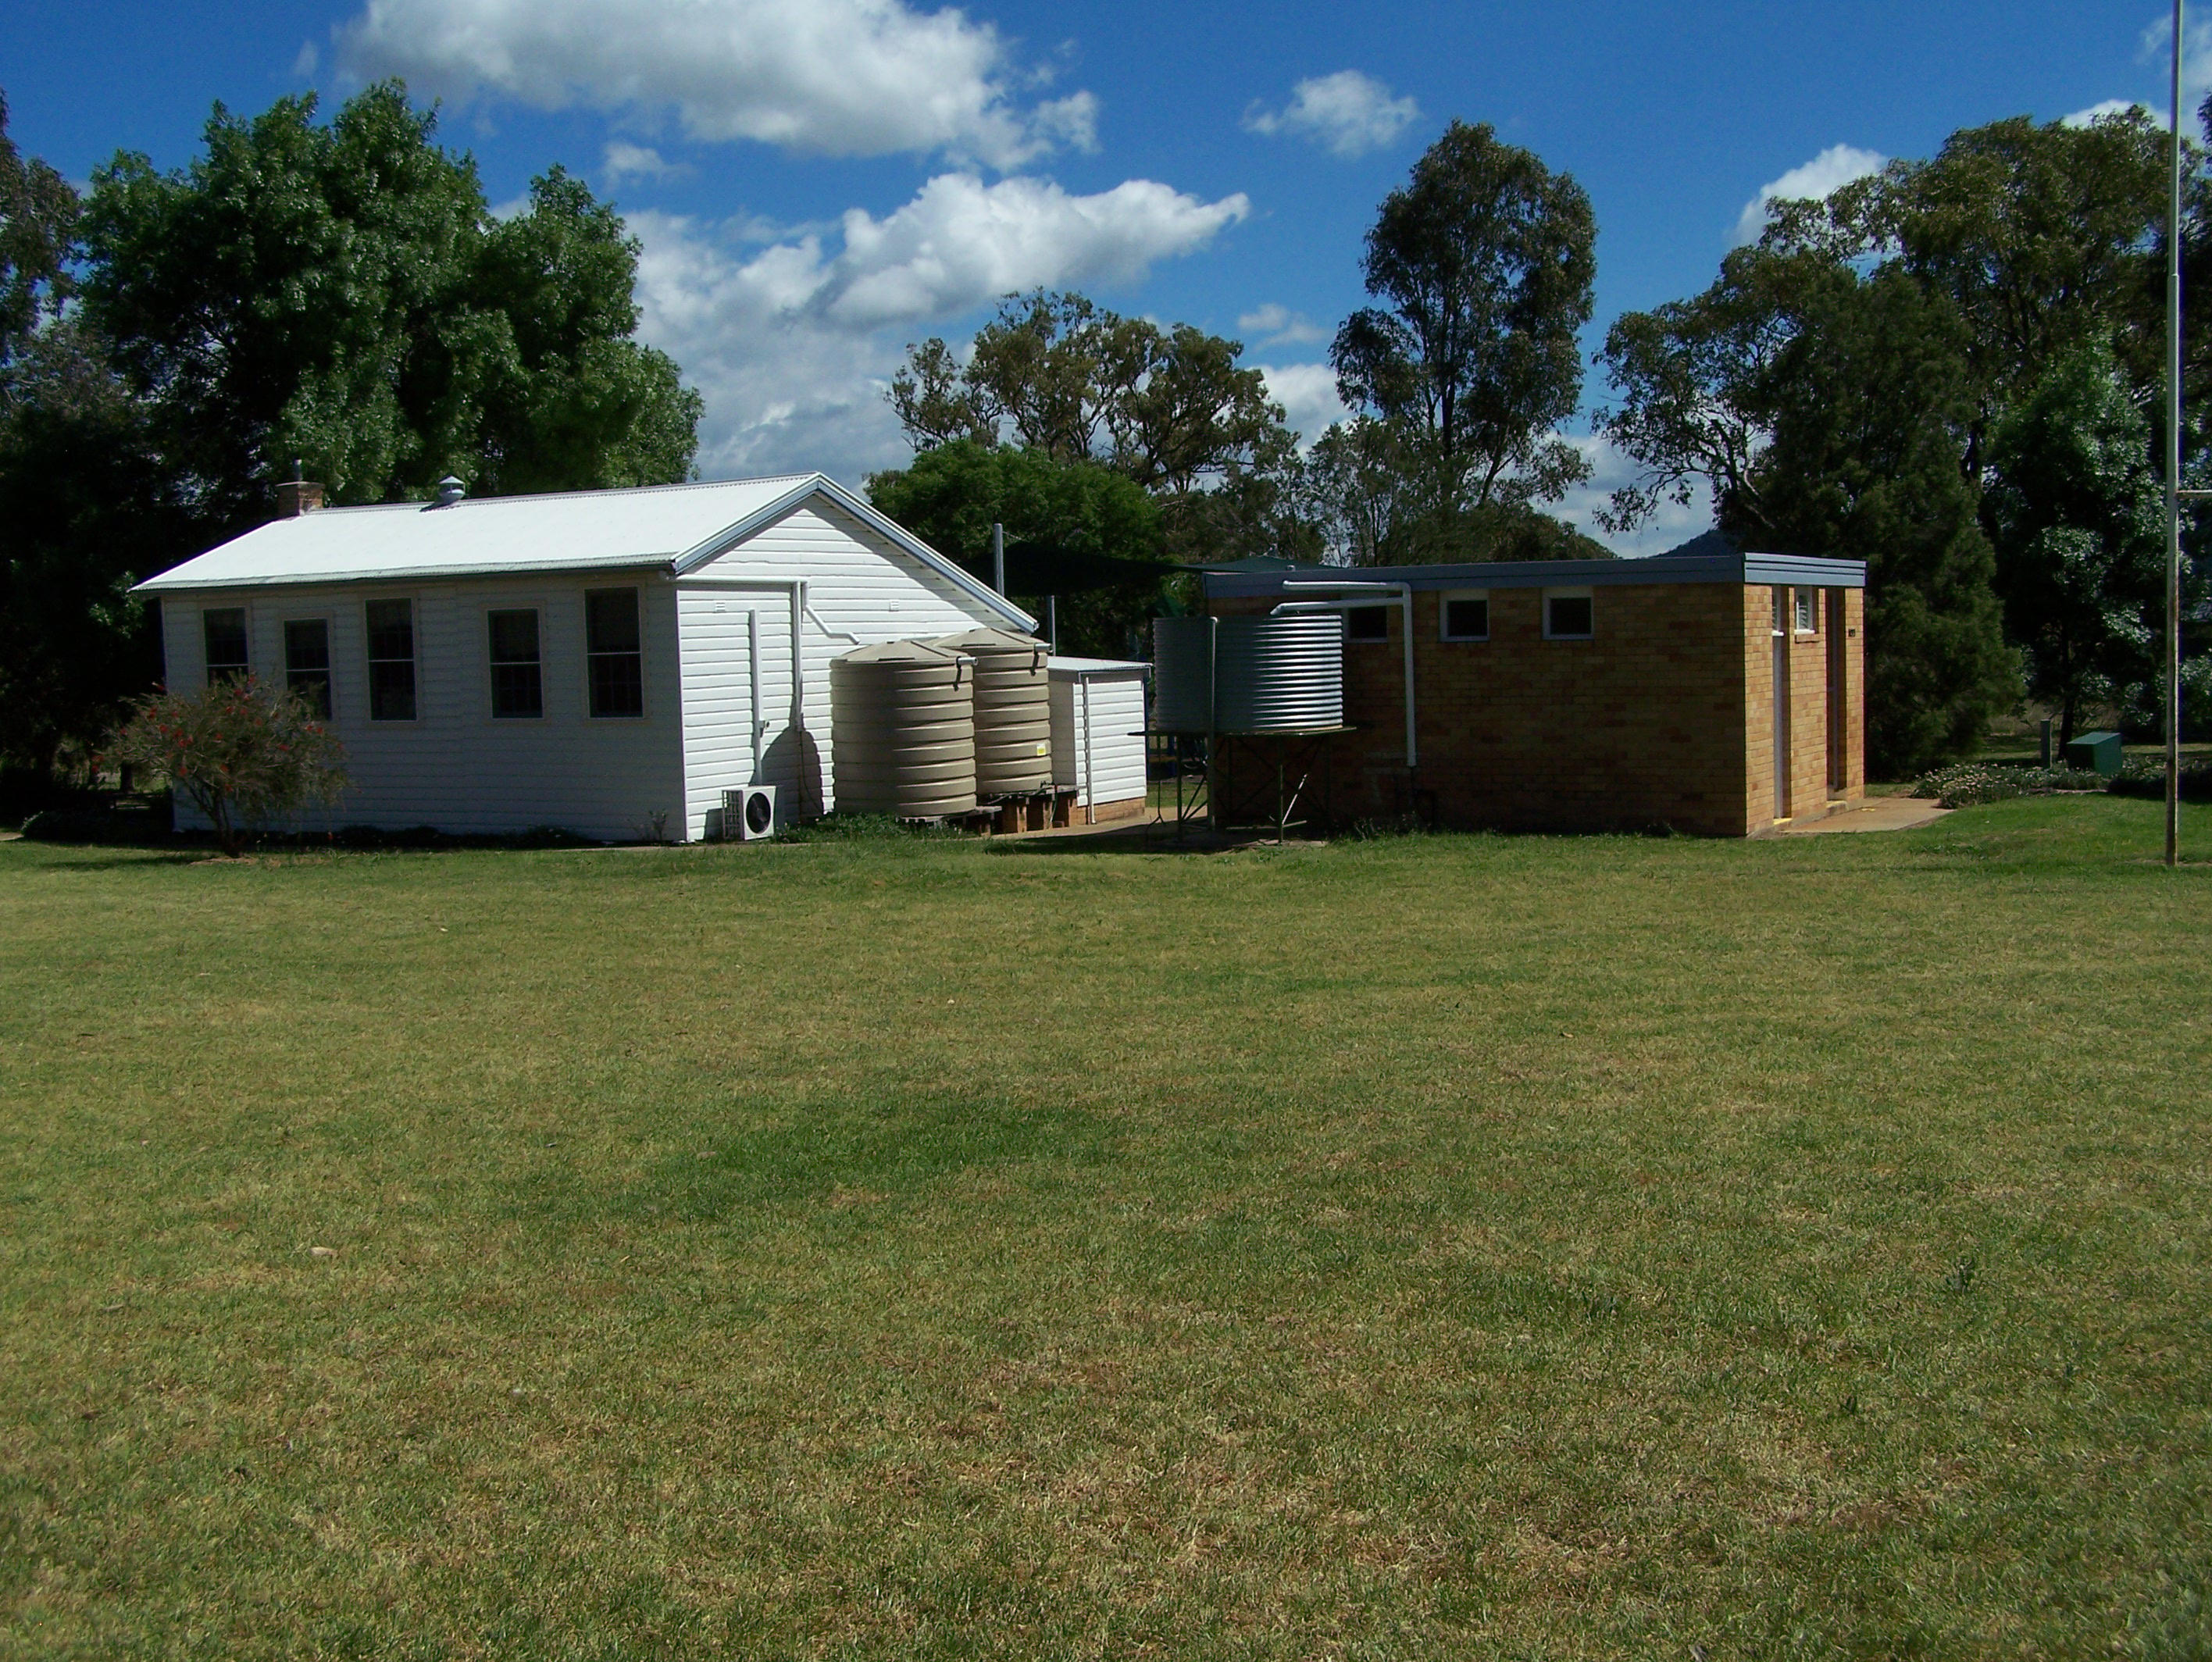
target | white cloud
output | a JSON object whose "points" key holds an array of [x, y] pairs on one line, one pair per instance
{"points": [[2155, 46], [309, 60], [1278, 326], [793, 344], [2102, 108], [1349, 113], [1307, 393], [832, 77], [1669, 526], [627, 161], [1834, 167]]}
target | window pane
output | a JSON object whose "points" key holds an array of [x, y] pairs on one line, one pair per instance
{"points": [[1807, 614], [1467, 620], [513, 637], [617, 685], [1368, 622], [1570, 614], [308, 661], [224, 631], [517, 690], [392, 691], [391, 660], [610, 620], [611, 643]]}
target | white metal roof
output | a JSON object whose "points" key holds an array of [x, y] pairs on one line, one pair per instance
{"points": [[1060, 664], [679, 527]]}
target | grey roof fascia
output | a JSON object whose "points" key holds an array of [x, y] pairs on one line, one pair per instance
{"points": [[159, 583], [1812, 570], [1752, 568], [821, 484]]}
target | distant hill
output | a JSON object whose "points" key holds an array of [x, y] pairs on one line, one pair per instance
{"points": [[1715, 540]]}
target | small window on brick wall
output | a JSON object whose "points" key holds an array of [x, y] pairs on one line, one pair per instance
{"points": [[1569, 615], [1466, 614], [1808, 612], [1367, 624]]}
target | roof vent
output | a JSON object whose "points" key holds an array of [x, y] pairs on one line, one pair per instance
{"points": [[450, 491]]}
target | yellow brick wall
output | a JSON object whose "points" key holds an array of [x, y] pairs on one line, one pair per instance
{"points": [[1665, 718]]}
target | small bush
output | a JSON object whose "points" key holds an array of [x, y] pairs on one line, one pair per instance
{"points": [[2145, 776], [1969, 784], [242, 752], [864, 827]]}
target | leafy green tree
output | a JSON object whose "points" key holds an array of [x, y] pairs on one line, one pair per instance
{"points": [[86, 510], [2042, 237], [2079, 514], [1074, 528], [38, 221], [1170, 409], [1485, 264], [341, 295], [1374, 498], [1865, 407]]}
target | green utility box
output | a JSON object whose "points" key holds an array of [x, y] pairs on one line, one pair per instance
{"points": [[2097, 751]]}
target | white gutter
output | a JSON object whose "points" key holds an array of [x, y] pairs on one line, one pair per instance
{"points": [[1404, 592]]}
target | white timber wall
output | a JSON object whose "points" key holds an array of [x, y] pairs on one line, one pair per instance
{"points": [[1114, 720], [455, 767], [861, 589]]}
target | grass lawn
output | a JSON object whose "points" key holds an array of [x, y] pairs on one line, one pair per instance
{"points": [[1435, 1247]]}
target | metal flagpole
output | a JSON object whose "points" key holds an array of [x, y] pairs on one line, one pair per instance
{"points": [[2173, 469]]}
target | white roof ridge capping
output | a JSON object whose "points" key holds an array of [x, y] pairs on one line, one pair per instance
{"points": [[675, 529]]}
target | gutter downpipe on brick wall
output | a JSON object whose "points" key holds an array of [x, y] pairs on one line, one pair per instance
{"points": [[1404, 595]]}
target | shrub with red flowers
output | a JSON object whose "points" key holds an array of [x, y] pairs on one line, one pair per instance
{"points": [[241, 753]]}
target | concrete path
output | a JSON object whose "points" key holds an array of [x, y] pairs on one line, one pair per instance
{"points": [[1878, 814]]}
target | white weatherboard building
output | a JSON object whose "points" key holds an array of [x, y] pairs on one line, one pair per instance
{"points": [[606, 661]]}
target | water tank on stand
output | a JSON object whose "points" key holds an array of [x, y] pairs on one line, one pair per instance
{"points": [[1247, 674], [1014, 711], [903, 731]]}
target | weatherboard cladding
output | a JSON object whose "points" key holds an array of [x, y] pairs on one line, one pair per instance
{"points": [[1112, 694], [1559, 574], [459, 768], [858, 589]]}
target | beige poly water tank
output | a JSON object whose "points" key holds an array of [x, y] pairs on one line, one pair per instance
{"points": [[903, 731], [1014, 711]]}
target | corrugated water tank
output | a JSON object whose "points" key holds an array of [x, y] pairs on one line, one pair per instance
{"points": [[903, 731], [1014, 711], [1268, 674]]}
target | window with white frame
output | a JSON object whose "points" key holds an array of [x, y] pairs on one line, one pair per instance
{"points": [[1808, 612], [222, 631], [1570, 614], [391, 660], [614, 650], [1464, 615], [308, 661], [518, 687]]}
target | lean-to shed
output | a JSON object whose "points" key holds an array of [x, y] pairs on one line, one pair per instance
{"points": [[607, 662], [1098, 734]]}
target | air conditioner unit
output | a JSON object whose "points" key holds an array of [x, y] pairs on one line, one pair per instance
{"points": [[749, 815]]}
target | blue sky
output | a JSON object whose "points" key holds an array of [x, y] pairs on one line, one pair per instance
{"points": [[817, 182]]}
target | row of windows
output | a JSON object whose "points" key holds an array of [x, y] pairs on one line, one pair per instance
{"points": [[1569, 615], [614, 657], [1464, 615]]}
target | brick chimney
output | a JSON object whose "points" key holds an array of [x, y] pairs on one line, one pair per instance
{"points": [[297, 496]]}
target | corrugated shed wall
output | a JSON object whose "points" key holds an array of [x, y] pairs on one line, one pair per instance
{"points": [[455, 767], [1117, 704]]}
